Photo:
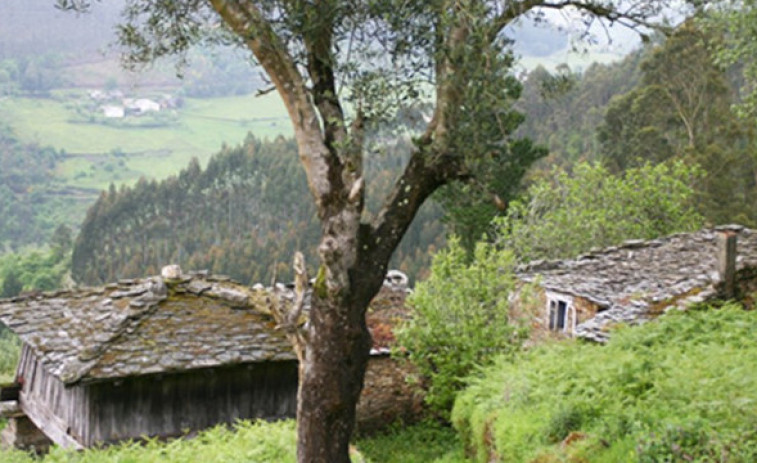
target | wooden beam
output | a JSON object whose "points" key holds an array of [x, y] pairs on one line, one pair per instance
{"points": [[47, 422]]}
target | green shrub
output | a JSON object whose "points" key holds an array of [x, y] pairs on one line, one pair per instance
{"points": [[460, 319], [683, 388]]}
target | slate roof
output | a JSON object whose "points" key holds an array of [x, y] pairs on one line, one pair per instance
{"points": [[145, 326], [152, 325], [638, 280]]}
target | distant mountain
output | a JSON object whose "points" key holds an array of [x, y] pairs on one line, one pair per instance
{"points": [[36, 26]]}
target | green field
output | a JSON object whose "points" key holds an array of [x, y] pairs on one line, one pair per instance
{"points": [[201, 128]]}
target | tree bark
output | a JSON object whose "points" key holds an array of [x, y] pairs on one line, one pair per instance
{"points": [[336, 357]]}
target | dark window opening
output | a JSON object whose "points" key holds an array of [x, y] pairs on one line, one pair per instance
{"points": [[557, 315]]}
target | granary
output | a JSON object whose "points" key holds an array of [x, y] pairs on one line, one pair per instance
{"points": [[159, 357], [639, 280]]}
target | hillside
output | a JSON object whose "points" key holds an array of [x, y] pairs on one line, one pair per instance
{"points": [[678, 389], [33, 202], [243, 215], [49, 77]]}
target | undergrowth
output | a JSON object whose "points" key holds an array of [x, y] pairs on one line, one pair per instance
{"points": [[426, 442], [248, 442], [683, 388], [10, 347], [263, 442]]}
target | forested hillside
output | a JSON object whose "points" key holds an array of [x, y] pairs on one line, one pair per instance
{"points": [[243, 215], [668, 101], [564, 108], [32, 202]]}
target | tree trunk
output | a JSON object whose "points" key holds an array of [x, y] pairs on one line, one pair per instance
{"points": [[331, 379]]}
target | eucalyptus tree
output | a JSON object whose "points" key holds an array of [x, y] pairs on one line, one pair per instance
{"points": [[735, 21], [337, 66]]}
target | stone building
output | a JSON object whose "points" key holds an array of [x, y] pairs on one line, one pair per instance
{"points": [[639, 280], [161, 356]]}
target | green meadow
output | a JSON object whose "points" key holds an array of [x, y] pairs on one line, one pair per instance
{"points": [[98, 154]]}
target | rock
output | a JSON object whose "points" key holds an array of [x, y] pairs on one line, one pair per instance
{"points": [[171, 272]]}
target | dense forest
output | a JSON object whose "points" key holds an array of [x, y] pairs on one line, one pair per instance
{"points": [[243, 215], [670, 100]]}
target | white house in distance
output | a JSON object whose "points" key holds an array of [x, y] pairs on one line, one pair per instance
{"points": [[113, 111], [140, 105]]}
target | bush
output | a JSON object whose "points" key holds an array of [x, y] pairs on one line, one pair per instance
{"points": [[679, 389], [460, 319]]}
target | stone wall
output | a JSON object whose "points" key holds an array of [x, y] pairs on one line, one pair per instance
{"points": [[22, 434], [387, 395]]}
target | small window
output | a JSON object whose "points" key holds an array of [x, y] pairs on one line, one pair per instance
{"points": [[560, 313]]}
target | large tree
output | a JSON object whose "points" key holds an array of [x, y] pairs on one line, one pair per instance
{"points": [[337, 65], [682, 109]]}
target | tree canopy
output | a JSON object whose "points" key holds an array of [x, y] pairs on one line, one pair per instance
{"points": [[735, 22], [567, 215]]}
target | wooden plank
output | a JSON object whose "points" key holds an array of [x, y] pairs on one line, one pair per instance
{"points": [[47, 422]]}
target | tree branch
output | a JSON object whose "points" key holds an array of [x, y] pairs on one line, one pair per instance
{"points": [[628, 18], [346, 169], [247, 21], [290, 319], [423, 175]]}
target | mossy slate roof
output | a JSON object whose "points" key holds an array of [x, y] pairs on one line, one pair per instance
{"points": [[144, 326], [638, 280]]}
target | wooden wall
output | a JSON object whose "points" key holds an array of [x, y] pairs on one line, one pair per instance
{"points": [[163, 405], [170, 404], [55, 409]]}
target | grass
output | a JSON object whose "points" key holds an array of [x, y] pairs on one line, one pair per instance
{"points": [[10, 348], [681, 389], [248, 442], [426, 442], [262, 442], [203, 126]]}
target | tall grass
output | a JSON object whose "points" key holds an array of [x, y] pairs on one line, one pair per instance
{"points": [[258, 442], [683, 388], [10, 348], [425, 442], [262, 442]]}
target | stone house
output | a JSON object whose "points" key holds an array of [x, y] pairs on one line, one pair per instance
{"points": [[639, 280], [160, 356]]}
